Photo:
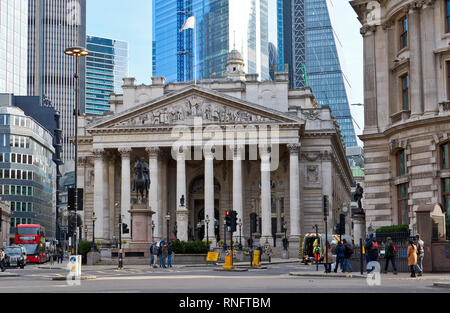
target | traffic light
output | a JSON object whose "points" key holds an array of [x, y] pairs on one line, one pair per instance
{"points": [[253, 218], [71, 199], [125, 229], [228, 218], [326, 206], [340, 228], [233, 221]]}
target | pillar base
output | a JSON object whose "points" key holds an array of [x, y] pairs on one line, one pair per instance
{"points": [[182, 223]]}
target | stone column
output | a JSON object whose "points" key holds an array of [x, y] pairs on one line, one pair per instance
{"points": [[294, 192], [154, 201], [279, 208], [182, 217], [209, 194], [415, 68], [370, 80], [266, 210], [98, 193], [125, 201], [237, 187], [429, 59], [111, 197]]}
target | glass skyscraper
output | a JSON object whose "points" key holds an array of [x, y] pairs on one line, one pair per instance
{"points": [[308, 44], [106, 65], [222, 25], [53, 26], [13, 46]]}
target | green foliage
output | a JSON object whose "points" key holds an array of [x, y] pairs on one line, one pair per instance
{"points": [[196, 247], [395, 228], [84, 247], [448, 225]]}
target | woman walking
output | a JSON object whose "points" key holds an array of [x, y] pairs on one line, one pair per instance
{"points": [[412, 257], [329, 259]]}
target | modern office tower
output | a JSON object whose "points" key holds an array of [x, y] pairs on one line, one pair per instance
{"points": [[13, 46], [222, 25], [27, 170], [106, 65], [308, 44], [53, 26]]}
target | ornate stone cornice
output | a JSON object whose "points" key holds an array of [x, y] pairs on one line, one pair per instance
{"points": [[153, 152], [368, 28], [294, 148], [98, 154], [125, 152]]}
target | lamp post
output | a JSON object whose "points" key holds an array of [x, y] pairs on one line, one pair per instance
{"points": [[93, 231], [168, 221], [240, 234], [207, 232], [76, 52]]}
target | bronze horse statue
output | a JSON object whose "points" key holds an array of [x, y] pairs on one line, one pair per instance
{"points": [[141, 182]]}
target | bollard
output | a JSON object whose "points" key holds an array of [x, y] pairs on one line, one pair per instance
{"points": [[228, 260], [256, 258]]}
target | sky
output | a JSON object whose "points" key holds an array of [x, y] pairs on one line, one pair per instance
{"points": [[131, 21]]}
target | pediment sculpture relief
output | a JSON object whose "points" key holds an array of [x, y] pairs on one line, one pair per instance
{"points": [[191, 108]]}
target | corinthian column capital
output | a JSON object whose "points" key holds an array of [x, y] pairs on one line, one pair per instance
{"points": [[294, 148]]}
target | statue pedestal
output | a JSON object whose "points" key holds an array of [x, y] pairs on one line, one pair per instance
{"points": [[141, 228], [182, 223], [359, 226]]}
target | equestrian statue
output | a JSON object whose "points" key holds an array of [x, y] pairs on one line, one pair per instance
{"points": [[141, 183]]}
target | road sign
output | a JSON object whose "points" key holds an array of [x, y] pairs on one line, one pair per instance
{"points": [[212, 257]]}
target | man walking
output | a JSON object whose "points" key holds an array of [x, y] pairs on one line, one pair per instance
{"points": [[348, 252], [340, 251], [152, 256], [420, 254], [391, 252], [164, 254]]}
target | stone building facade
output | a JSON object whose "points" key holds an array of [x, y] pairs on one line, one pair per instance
{"points": [[206, 142], [407, 108]]}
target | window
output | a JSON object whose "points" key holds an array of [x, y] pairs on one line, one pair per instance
{"points": [[403, 208], [445, 163], [403, 32], [405, 92], [401, 163], [446, 196], [447, 14]]}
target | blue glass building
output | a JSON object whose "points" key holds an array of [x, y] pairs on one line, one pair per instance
{"points": [[106, 65], [308, 44], [222, 25]]}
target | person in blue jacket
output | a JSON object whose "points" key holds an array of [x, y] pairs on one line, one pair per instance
{"points": [[340, 251]]}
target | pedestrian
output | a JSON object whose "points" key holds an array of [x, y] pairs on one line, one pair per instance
{"points": [[412, 257], [159, 253], [348, 252], [316, 250], [371, 248], [2, 260], [269, 252], [169, 254], [164, 255], [152, 256], [340, 250], [390, 254], [420, 254], [329, 259]]}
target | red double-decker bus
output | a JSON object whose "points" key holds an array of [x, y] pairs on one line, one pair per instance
{"points": [[32, 237]]}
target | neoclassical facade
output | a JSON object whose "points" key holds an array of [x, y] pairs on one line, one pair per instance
{"points": [[407, 115], [229, 143]]}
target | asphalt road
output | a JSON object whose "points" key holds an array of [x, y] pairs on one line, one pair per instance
{"points": [[202, 280]]}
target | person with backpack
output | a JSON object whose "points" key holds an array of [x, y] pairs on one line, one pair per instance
{"points": [[420, 254], [371, 248], [340, 252], [348, 252], [390, 254]]}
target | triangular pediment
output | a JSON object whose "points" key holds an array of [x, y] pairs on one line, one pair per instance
{"points": [[184, 106]]}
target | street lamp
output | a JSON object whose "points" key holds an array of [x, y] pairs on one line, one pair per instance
{"points": [[168, 220], [76, 52], [207, 220], [94, 218]]}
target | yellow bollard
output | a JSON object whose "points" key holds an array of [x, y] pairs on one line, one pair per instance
{"points": [[228, 260], [256, 259]]}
